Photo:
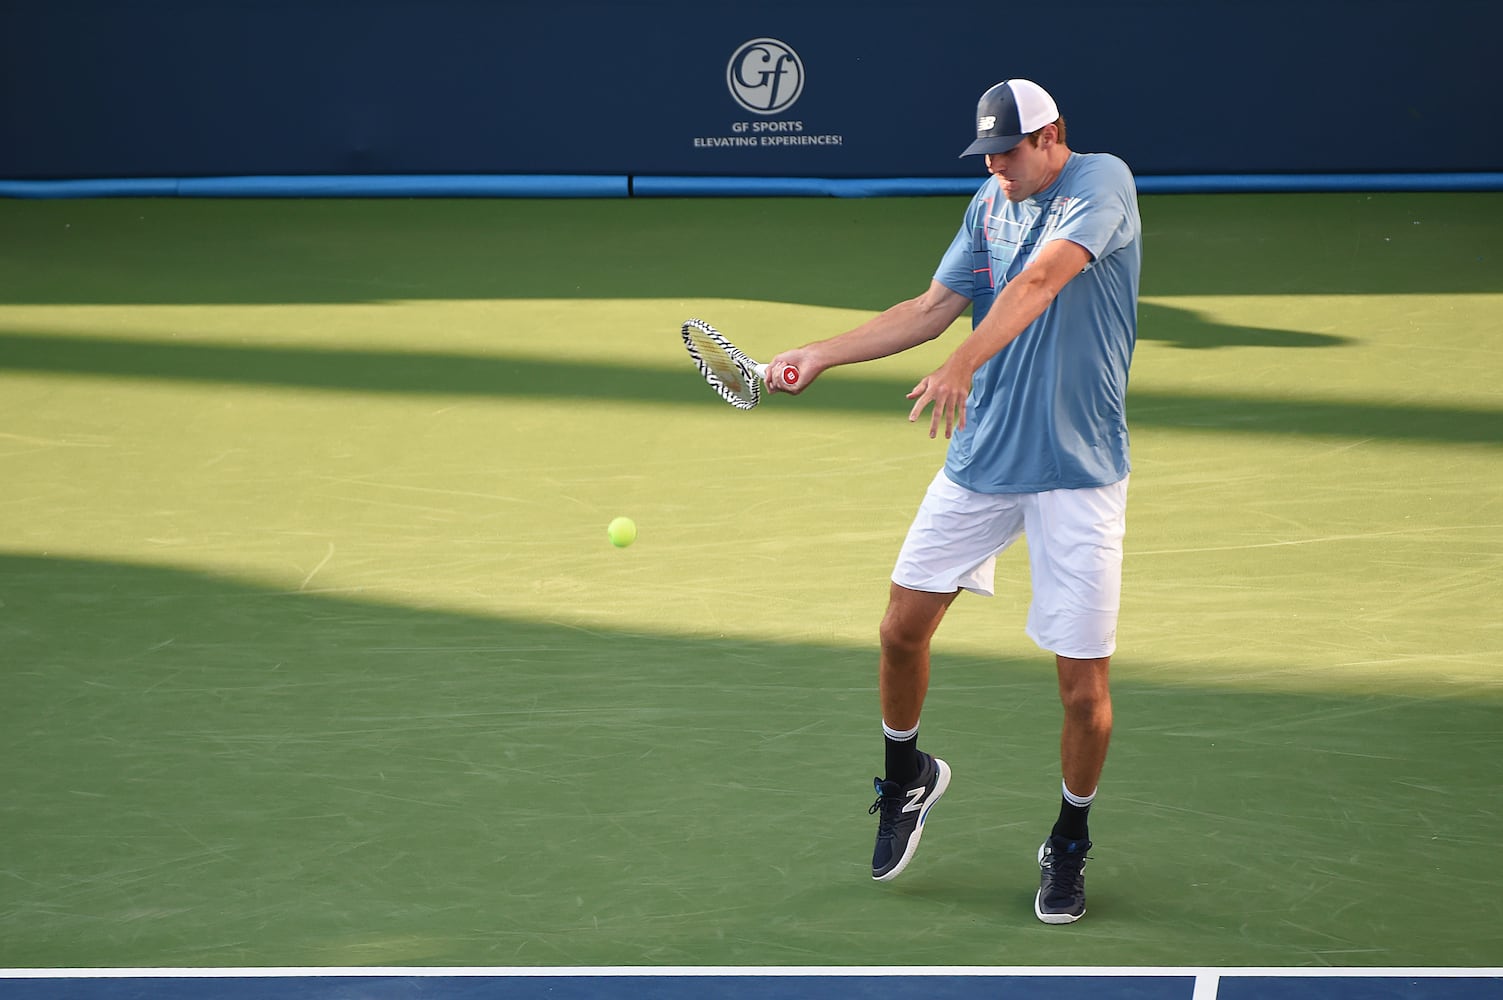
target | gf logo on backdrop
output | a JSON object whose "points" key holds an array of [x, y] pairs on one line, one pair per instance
{"points": [[765, 76]]}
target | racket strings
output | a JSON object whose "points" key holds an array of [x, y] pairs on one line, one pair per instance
{"points": [[723, 366]]}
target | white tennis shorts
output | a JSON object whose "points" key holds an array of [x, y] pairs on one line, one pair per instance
{"points": [[1074, 556]]}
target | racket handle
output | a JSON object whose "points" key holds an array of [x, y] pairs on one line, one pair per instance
{"points": [[790, 373]]}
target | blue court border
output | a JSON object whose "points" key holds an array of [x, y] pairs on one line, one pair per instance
{"points": [[628, 186], [984, 983]]}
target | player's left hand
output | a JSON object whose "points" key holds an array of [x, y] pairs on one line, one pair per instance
{"points": [[947, 387]]}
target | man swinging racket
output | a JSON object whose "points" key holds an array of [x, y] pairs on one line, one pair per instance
{"points": [[1033, 402]]}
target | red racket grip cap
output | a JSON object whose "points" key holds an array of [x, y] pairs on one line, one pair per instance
{"points": [[790, 375]]}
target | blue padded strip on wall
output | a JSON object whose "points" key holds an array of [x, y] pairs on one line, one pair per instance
{"points": [[551, 186], [147, 187], [414, 186], [791, 187], [390, 186], [1255, 183], [686, 187]]}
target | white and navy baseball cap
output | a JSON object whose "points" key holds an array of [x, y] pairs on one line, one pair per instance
{"points": [[1008, 112]]}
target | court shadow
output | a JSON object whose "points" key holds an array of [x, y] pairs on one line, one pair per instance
{"points": [[1190, 330], [844, 390], [205, 772], [861, 254]]}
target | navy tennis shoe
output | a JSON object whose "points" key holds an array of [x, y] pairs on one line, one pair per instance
{"points": [[901, 811], [1061, 897]]}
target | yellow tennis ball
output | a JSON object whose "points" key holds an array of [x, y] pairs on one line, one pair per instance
{"points": [[622, 532]]}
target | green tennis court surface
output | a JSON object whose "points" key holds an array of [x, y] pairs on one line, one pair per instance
{"points": [[316, 654]]}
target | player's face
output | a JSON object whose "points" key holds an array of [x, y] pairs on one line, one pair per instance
{"points": [[1023, 171]]}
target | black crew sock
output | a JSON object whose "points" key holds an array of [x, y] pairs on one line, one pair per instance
{"points": [[902, 760], [1071, 824]]}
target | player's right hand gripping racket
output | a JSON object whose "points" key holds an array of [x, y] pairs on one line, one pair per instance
{"points": [[726, 367]]}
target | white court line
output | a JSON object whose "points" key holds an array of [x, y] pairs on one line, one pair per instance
{"points": [[1207, 984], [1211, 976]]}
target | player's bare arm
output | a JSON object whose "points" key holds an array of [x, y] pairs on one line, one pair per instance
{"points": [[903, 326], [1022, 301]]}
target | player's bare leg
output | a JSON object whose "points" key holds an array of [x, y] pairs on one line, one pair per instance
{"points": [[915, 780], [912, 618], [1085, 693], [1087, 731]]}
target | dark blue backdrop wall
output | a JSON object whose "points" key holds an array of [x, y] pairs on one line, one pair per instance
{"points": [[671, 87]]}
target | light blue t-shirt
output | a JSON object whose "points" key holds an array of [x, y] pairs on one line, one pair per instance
{"points": [[1048, 411]]}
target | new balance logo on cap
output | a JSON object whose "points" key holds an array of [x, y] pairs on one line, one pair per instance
{"points": [[1009, 111]]}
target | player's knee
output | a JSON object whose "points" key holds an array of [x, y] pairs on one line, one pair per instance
{"points": [[1092, 712], [911, 620], [1084, 691], [903, 634], [899, 636]]}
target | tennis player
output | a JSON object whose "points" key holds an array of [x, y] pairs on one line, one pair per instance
{"points": [[1033, 404]]}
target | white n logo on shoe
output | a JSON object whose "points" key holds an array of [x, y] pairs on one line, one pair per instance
{"points": [[915, 799]]}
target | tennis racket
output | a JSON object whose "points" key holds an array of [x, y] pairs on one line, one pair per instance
{"points": [[726, 367]]}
